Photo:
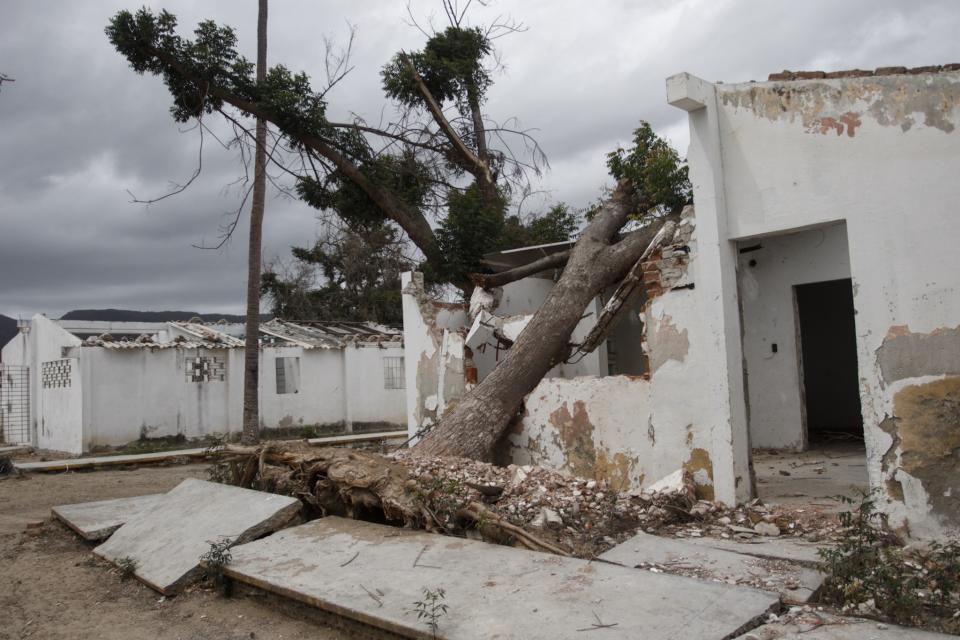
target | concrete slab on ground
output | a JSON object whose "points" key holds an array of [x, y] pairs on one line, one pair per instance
{"points": [[777, 548], [97, 520], [71, 464], [166, 542], [852, 630], [375, 573], [16, 448], [645, 551]]}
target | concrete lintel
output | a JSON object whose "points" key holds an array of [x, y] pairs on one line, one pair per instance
{"points": [[687, 92]]}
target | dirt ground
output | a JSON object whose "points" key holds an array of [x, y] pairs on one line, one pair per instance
{"points": [[52, 586]]}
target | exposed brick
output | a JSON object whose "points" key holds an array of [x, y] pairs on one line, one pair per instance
{"points": [[890, 71], [810, 75], [783, 75], [930, 69], [850, 73], [953, 66]]}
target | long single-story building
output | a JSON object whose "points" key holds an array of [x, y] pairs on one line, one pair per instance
{"points": [[814, 293], [74, 386]]}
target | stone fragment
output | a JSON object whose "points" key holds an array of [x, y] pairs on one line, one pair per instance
{"points": [[767, 529]]}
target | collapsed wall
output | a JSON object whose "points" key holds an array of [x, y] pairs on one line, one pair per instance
{"points": [[630, 430], [633, 430]]}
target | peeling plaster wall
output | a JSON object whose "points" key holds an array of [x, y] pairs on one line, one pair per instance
{"points": [[767, 300], [634, 430], [883, 154], [433, 338]]}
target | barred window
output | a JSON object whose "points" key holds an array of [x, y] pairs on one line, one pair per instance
{"points": [[393, 376], [288, 374]]}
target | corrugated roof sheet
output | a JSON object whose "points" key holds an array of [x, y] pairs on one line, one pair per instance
{"points": [[313, 335], [329, 335]]}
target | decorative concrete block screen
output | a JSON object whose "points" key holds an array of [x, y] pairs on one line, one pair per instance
{"points": [[206, 369], [288, 374], [393, 376], [55, 374]]}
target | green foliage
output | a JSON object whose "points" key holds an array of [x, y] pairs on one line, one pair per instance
{"points": [[451, 65], [660, 179], [556, 225], [406, 177], [431, 608], [127, 567], [359, 279], [215, 560], [471, 230], [868, 570], [190, 67]]}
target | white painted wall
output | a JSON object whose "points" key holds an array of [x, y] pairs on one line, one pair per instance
{"points": [[60, 423], [433, 338], [881, 153], [133, 393], [368, 399], [767, 298], [635, 430], [321, 399]]}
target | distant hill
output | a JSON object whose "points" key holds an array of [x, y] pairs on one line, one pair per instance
{"points": [[8, 329], [127, 315]]}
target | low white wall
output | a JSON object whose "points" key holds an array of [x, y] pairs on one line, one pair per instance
{"points": [[768, 308], [133, 393]]}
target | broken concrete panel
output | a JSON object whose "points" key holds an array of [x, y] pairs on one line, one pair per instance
{"points": [[167, 541], [374, 574], [905, 354], [97, 520], [793, 582], [787, 549], [926, 422]]}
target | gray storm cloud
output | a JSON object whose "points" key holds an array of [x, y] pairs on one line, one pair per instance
{"points": [[80, 129]]}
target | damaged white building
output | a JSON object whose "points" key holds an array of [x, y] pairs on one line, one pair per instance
{"points": [[83, 385], [814, 291]]}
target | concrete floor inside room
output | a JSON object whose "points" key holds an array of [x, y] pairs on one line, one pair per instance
{"points": [[815, 477]]}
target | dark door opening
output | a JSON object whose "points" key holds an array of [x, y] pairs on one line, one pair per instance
{"points": [[828, 351]]}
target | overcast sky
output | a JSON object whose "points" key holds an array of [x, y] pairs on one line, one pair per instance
{"points": [[80, 129]]}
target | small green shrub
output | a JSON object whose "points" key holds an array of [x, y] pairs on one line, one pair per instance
{"points": [[214, 561], [431, 608], [127, 567], [869, 572]]}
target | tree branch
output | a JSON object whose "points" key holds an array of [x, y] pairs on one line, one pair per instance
{"points": [[552, 261], [471, 162]]}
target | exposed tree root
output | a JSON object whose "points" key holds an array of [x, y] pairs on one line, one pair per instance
{"points": [[366, 486]]}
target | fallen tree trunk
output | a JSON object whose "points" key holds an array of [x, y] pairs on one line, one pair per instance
{"points": [[596, 261]]}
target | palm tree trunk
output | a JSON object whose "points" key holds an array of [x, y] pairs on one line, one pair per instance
{"points": [[251, 351]]}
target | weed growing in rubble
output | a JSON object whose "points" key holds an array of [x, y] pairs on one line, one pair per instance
{"points": [[214, 561], [431, 608], [870, 573], [127, 567], [443, 497]]}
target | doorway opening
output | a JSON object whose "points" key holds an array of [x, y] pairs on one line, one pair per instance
{"points": [[828, 362]]}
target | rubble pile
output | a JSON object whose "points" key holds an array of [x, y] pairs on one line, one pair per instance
{"points": [[588, 516]]}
